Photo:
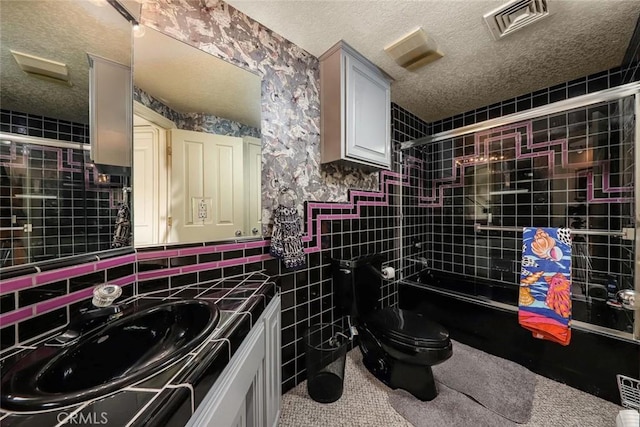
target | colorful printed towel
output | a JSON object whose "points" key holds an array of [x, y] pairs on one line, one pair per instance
{"points": [[545, 283]]}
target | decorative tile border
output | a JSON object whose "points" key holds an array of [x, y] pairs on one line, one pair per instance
{"points": [[65, 163], [518, 132]]}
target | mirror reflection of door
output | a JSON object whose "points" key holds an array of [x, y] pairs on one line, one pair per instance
{"points": [[150, 175], [206, 200], [193, 186], [197, 161], [252, 184]]}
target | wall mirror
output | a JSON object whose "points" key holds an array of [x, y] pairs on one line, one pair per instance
{"points": [[197, 151], [55, 201]]}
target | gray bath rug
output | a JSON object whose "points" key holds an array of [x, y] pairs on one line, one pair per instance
{"points": [[449, 408], [500, 385], [472, 386]]}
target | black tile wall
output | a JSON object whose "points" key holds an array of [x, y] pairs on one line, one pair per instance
{"points": [[589, 84], [487, 264], [552, 197], [308, 295], [631, 62], [43, 127], [42, 324], [70, 213]]}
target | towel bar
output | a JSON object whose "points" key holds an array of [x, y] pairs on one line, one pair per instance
{"points": [[625, 233]]}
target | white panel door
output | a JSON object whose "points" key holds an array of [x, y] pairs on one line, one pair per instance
{"points": [[206, 186], [145, 179], [252, 184], [368, 121]]}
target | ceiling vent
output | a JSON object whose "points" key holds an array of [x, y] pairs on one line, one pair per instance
{"points": [[515, 15], [42, 68]]}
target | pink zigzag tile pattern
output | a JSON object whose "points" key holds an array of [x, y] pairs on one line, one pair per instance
{"points": [[345, 210], [519, 132], [351, 209]]}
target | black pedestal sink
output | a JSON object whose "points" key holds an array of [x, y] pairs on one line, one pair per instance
{"points": [[108, 358]]}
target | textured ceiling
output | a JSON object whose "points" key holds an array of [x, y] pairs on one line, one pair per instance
{"points": [[62, 31], [189, 79], [580, 37]]}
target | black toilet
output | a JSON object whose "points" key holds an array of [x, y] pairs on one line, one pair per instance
{"points": [[398, 346]]}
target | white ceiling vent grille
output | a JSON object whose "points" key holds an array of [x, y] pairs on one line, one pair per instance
{"points": [[515, 15]]}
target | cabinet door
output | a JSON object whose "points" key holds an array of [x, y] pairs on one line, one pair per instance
{"points": [[273, 388], [368, 114], [235, 399], [110, 112]]}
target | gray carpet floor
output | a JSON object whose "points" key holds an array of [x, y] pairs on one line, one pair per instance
{"points": [[365, 402]]}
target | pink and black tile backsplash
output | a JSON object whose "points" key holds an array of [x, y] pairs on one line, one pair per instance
{"points": [[35, 301]]}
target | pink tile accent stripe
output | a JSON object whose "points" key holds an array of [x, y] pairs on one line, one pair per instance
{"points": [[65, 273], [116, 262], [50, 305], [124, 281], [353, 211], [63, 301], [12, 285], [200, 267], [516, 131], [141, 256], [16, 316]]}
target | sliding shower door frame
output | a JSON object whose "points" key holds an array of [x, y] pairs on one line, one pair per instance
{"points": [[607, 95]]}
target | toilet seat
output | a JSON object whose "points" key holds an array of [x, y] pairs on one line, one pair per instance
{"points": [[407, 329]]}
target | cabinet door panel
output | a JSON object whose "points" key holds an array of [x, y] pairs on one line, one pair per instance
{"points": [[368, 114], [273, 356], [228, 397]]}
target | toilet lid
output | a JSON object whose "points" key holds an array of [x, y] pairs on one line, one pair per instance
{"points": [[408, 327]]}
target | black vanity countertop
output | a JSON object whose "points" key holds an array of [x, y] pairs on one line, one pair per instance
{"points": [[169, 397]]}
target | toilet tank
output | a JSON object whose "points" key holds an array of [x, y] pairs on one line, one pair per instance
{"points": [[356, 285]]}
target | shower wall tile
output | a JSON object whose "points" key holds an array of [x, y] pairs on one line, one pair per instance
{"points": [[70, 210], [631, 62], [570, 169], [588, 84]]}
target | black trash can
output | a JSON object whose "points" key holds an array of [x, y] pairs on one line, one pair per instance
{"points": [[326, 347]]}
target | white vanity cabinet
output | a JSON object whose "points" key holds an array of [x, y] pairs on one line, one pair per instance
{"points": [[248, 392], [355, 109]]}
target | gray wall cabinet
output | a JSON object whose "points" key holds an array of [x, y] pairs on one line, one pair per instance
{"points": [[355, 109]]}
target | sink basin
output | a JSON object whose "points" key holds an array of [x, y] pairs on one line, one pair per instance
{"points": [[118, 354]]}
